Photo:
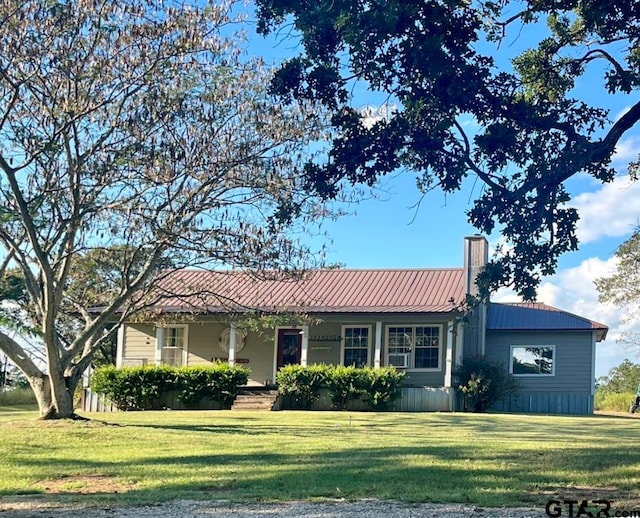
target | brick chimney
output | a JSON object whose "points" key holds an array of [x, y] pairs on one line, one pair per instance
{"points": [[476, 256]]}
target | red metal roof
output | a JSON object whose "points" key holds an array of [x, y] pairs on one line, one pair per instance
{"points": [[318, 291], [521, 316]]}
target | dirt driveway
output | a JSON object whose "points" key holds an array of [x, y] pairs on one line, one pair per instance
{"points": [[25, 508]]}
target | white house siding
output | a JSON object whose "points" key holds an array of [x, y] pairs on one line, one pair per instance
{"points": [[259, 352], [569, 390], [139, 344], [202, 343], [325, 344]]}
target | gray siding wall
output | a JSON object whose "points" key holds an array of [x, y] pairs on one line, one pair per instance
{"points": [[472, 336], [425, 379], [569, 390]]}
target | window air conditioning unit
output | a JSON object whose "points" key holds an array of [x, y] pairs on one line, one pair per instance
{"points": [[400, 361]]}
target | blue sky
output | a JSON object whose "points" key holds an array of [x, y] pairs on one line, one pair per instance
{"points": [[390, 233]]}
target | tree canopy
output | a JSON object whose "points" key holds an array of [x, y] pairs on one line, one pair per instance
{"points": [[441, 64], [133, 135], [622, 379]]}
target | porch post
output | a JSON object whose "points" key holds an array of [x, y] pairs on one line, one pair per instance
{"points": [[159, 341], [448, 372], [120, 345], [305, 346], [377, 352], [232, 344], [459, 344], [448, 368]]}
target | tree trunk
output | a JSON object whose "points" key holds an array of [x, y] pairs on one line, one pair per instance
{"points": [[50, 407]]}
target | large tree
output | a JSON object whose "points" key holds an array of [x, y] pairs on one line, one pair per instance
{"points": [[447, 66], [622, 288], [133, 133], [623, 379]]}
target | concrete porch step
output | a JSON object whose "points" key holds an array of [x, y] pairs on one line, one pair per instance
{"points": [[255, 400]]}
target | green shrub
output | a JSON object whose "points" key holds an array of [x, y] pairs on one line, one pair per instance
{"points": [[345, 384], [220, 382], [381, 387], [483, 383], [18, 397], [377, 388], [613, 402], [147, 388], [135, 388], [303, 384]]}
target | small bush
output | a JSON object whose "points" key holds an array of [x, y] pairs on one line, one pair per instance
{"points": [[220, 382], [345, 384], [483, 383], [613, 402], [134, 388], [303, 384], [377, 388], [17, 397], [381, 387]]}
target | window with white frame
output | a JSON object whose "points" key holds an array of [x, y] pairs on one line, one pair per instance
{"points": [[355, 340], [414, 347], [174, 341], [528, 360], [427, 347]]}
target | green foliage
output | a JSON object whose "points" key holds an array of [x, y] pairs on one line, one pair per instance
{"points": [[146, 388], [483, 383], [302, 383], [220, 382], [12, 287], [622, 287], [449, 66], [345, 383], [17, 397], [624, 378], [382, 387], [377, 388], [613, 402], [134, 388]]}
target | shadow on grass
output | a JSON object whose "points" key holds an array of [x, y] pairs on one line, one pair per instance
{"points": [[430, 473], [541, 458]]}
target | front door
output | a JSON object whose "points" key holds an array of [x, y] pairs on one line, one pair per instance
{"points": [[289, 346]]}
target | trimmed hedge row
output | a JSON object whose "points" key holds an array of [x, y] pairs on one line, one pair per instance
{"points": [[376, 388], [148, 388]]}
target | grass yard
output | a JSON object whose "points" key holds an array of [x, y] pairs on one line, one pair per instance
{"points": [[490, 460]]}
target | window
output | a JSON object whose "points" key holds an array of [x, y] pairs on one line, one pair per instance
{"points": [[532, 360], [399, 346], [427, 343], [414, 347], [174, 340], [355, 341]]}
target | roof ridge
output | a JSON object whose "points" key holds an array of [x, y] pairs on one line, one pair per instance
{"points": [[311, 270]]}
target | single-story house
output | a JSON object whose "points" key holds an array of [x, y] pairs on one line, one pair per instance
{"points": [[407, 318]]}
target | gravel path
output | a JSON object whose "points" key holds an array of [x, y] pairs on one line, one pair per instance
{"points": [[209, 509]]}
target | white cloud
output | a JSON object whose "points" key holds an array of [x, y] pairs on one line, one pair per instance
{"points": [[612, 211], [372, 114], [627, 150], [573, 290]]}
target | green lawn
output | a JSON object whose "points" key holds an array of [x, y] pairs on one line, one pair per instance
{"points": [[490, 460]]}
